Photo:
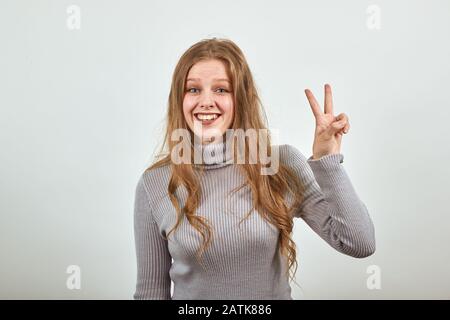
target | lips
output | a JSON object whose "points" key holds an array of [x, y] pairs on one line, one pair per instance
{"points": [[206, 117], [200, 116], [206, 113]]}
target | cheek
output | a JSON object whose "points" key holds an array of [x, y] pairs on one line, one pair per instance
{"points": [[228, 109], [188, 106], [227, 106]]}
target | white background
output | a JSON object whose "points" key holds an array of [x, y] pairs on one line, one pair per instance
{"points": [[82, 111]]}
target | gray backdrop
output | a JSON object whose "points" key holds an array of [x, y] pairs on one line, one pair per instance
{"points": [[82, 110]]}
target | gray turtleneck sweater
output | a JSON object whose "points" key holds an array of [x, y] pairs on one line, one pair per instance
{"points": [[241, 263]]}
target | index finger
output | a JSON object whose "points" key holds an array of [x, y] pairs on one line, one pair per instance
{"points": [[313, 103]]}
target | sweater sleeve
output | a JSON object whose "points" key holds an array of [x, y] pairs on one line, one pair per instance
{"points": [[153, 258], [331, 206]]}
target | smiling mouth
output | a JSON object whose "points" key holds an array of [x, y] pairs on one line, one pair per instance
{"points": [[207, 118]]}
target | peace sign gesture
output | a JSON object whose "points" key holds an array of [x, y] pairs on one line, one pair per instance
{"points": [[329, 129]]}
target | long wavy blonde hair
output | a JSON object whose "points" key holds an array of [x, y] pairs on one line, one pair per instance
{"points": [[269, 191]]}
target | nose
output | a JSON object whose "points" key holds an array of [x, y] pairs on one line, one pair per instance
{"points": [[206, 100]]}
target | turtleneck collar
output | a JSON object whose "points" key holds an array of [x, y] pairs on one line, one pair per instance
{"points": [[214, 155]]}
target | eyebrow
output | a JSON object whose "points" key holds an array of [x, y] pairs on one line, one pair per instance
{"points": [[221, 79]]}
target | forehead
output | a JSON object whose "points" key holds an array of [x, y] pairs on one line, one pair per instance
{"points": [[208, 70]]}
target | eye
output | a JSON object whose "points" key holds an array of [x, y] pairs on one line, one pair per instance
{"points": [[189, 90], [225, 90]]}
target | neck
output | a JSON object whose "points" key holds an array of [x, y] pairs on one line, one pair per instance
{"points": [[214, 154]]}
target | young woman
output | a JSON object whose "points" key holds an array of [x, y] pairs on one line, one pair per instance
{"points": [[219, 228]]}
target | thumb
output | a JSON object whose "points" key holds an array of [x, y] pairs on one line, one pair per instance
{"points": [[336, 126]]}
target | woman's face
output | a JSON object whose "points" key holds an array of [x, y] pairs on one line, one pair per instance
{"points": [[208, 101]]}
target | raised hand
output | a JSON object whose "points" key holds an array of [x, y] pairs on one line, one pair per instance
{"points": [[329, 128]]}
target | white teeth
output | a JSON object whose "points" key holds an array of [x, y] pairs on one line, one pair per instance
{"points": [[207, 116]]}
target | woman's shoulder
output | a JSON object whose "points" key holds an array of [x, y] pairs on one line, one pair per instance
{"points": [[154, 180], [290, 154], [156, 174]]}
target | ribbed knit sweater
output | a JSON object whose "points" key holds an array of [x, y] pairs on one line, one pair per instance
{"points": [[241, 263]]}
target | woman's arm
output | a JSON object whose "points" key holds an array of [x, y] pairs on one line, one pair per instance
{"points": [[153, 258], [331, 206]]}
